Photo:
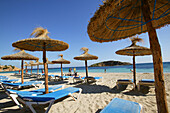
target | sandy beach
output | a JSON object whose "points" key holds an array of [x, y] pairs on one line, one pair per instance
{"points": [[94, 96]]}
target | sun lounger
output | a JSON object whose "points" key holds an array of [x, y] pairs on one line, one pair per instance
{"points": [[3, 76], [57, 77], [2, 79], [146, 82], [93, 79], [11, 80], [6, 79], [52, 77], [75, 79], [20, 85], [124, 82], [48, 98], [118, 105], [89, 79], [13, 94]]}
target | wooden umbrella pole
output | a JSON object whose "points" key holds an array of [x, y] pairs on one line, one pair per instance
{"points": [[157, 61], [61, 70], [134, 71], [31, 69], [86, 68], [45, 69], [26, 69], [22, 71], [37, 69]]}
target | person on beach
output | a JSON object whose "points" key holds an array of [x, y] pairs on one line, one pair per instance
{"points": [[74, 70], [131, 70], [75, 74], [70, 69], [105, 70]]}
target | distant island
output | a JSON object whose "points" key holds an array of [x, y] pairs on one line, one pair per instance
{"points": [[8, 68], [109, 63]]}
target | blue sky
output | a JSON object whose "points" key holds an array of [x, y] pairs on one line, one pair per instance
{"points": [[66, 20]]}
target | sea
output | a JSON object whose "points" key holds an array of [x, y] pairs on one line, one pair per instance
{"points": [[140, 68]]}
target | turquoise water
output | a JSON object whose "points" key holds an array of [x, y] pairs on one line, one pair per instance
{"points": [[140, 68]]}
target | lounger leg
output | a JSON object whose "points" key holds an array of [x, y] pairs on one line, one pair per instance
{"points": [[63, 86], [51, 103], [138, 87], [35, 86], [41, 84], [133, 85], [117, 85], [72, 96], [14, 98], [3, 87], [30, 106], [78, 95]]}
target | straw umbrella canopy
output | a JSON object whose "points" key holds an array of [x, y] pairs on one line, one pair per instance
{"points": [[22, 55], [37, 63], [118, 19], [26, 65], [134, 50], [31, 64], [48, 62], [41, 42], [61, 61], [85, 56]]}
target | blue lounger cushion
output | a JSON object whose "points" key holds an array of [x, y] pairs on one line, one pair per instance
{"points": [[118, 105], [148, 80], [65, 77], [51, 75], [54, 95], [92, 77], [52, 88], [77, 77], [125, 80], [24, 92], [19, 84], [35, 92], [10, 80], [3, 76]]}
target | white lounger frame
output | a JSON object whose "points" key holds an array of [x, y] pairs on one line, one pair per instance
{"points": [[145, 84], [124, 83]]}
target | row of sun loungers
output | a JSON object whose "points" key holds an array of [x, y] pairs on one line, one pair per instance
{"points": [[75, 79], [56, 92], [145, 82], [30, 98], [87, 79]]}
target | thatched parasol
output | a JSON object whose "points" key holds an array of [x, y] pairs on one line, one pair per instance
{"points": [[134, 50], [85, 56], [26, 65], [41, 42], [61, 61], [37, 63], [22, 55], [31, 64], [118, 19]]}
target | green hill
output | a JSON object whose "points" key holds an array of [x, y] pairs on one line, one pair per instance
{"points": [[109, 63]]}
